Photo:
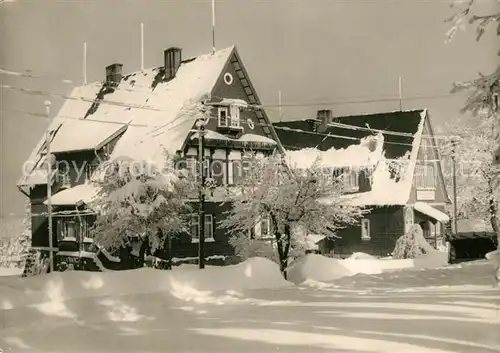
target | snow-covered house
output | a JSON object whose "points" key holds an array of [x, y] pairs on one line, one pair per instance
{"points": [[139, 117], [389, 163]]}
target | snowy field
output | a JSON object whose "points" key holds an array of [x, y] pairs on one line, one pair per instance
{"points": [[250, 308]]}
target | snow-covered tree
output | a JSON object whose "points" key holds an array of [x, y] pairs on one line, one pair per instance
{"points": [[473, 146], [485, 90], [309, 199], [140, 200], [14, 248]]}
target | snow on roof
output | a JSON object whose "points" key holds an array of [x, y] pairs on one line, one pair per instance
{"points": [[71, 196], [471, 226], [312, 241], [166, 110], [233, 101], [213, 135], [94, 135], [387, 190], [36, 177], [430, 211], [256, 138], [367, 153]]}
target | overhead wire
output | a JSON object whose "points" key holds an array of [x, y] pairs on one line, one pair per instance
{"points": [[41, 115], [29, 74], [155, 129], [81, 99], [381, 98]]}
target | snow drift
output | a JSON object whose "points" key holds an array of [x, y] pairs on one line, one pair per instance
{"points": [[323, 269], [181, 283]]}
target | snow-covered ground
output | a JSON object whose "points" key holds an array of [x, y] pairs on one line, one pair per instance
{"points": [[250, 308], [10, 271]]}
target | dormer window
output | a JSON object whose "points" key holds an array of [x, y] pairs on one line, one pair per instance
{"points": [[349, 179], [223, 117], [229, 114]]}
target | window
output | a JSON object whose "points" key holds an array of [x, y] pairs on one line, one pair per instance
{"points": [[65, 180], [206, 167], [351, 180], [427, 149], [235, 116], [265, 226], [89, 170], [425, 177], [194, 218], [191, 168], [209, 227], [365, 229], [235, 168], [223, 116]]}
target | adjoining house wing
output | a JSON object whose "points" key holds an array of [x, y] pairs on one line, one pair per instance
{"points": [[342, 141]]}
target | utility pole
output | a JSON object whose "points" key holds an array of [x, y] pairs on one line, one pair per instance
{"points": [[213, 26], [84, 63], [142, 46], [280, 106], [49, 190], [201, 210], [454, 174]]}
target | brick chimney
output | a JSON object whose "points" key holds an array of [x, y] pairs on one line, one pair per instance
{"points": [[114, 74], [172, 59], [325, 117]]}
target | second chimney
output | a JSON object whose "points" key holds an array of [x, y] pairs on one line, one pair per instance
{"points": [[173, 58], [325, 118], [114, 74]]}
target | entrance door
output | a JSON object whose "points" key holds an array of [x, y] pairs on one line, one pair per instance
{"points": [[426, 229]]}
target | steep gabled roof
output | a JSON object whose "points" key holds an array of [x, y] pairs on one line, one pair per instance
{"points": [[160, 113], [403, 122], [400, 133]]}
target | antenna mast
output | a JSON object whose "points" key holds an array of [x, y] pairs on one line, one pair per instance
{"points": [[279, 106], [213, 26], [142, 46], [85, 63], [400, 93]]}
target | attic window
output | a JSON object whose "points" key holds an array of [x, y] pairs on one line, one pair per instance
{"points": [[223, 116], [426, 148], [425, 177]]}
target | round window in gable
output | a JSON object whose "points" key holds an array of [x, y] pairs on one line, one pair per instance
{"points": [[228, 78], [250, 124]]}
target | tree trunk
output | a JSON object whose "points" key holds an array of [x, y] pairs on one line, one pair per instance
{"points": [[496, 229], [283, 250]]}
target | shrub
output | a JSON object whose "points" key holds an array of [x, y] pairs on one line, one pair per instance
{"points": [[412, 244]]}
